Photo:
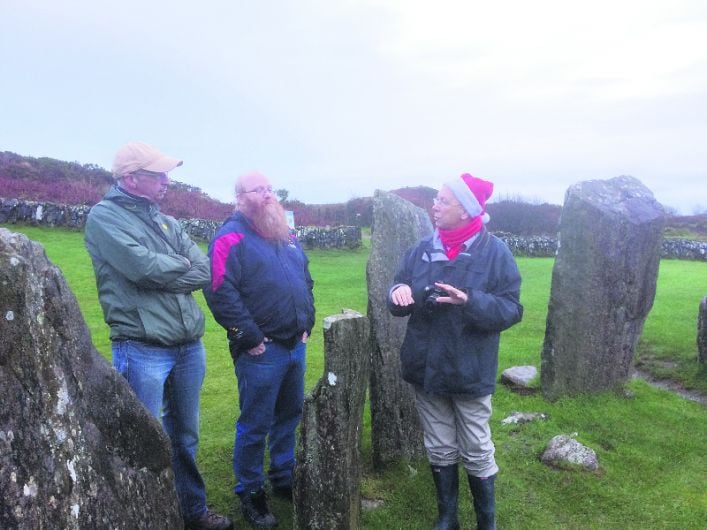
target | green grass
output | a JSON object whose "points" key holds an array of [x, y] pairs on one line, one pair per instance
{"points": [[668, 346], [650, 443]]}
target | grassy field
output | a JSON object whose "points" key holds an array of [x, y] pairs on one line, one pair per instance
{"points": [[650, 443]]}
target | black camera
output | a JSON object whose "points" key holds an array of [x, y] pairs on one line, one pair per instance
{"points": [[432, 293]]}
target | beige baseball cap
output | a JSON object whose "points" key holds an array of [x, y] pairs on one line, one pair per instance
{"points": [[134, 156]]}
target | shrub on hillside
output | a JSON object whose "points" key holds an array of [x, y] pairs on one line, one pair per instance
{"points": [[61, 192], [194, 205], [524, 219], [49, 180]]}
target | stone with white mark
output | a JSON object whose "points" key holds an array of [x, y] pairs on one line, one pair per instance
{"points": [[71, 466], [57, 427], [30, 489]]}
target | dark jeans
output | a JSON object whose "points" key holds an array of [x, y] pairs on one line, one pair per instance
{"points": [[271, 393]]}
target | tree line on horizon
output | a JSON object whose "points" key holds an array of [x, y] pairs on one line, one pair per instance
{"points": [[49, 180]]}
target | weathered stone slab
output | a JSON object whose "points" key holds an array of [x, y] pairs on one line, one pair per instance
{"points": [[77, 449], [519, 376], [603, 285], [395, 429], [702, 332], [327, 481]]}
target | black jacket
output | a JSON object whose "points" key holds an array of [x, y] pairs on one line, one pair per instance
{"points": [[259, 288], [451, 349]]}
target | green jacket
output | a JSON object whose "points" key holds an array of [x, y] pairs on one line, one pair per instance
{"points": [[146, 269]]}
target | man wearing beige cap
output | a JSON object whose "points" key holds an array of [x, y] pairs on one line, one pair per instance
{"points": [[146, 270]]}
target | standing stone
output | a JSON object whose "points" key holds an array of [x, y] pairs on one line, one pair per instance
{"points": [[395, 429], [702, 332], [603, 285], [77, 449], [327, 481]]}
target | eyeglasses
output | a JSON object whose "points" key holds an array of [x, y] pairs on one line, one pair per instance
{"points": [[260, 190], [442, 201], [150, 174]]}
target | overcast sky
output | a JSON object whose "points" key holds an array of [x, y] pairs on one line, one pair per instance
{"points": [[333, 99]]}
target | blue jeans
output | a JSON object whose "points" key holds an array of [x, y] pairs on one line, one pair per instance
{"points": [[168, 382], [271, 395]]}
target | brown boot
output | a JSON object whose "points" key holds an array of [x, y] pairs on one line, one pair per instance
{"points": [[209, 521]]}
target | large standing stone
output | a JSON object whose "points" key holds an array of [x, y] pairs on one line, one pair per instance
{"points": [[702, 332], [395, 429], [603, 285], [327, 482], [77, 449]]}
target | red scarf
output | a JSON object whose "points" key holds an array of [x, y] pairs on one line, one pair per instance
{"points": [[453, 239]]}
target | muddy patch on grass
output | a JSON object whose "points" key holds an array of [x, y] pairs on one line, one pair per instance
{"points": [[670, 385]]}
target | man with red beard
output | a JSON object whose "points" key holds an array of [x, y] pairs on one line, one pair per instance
{"points": [[261, 292]]}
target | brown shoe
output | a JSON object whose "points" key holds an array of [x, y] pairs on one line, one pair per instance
{"points": [[209, 521]]}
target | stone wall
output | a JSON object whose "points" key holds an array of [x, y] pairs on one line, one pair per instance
{"points": [[42, 213], [50, 214], [329, 237], [535, 246], [684, 249], [546, 246], [311, 237]]}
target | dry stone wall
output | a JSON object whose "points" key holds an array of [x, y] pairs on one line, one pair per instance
{"points": [[312, 237], [49, 214]]}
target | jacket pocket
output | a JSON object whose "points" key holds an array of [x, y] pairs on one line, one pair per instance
{"points": [[159, 327], [469, 276]]}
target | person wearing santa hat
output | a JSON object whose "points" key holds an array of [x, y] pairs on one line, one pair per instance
{"points": [[461, 288]]}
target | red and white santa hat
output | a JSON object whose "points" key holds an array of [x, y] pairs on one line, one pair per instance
{"points": [[472, 193]]}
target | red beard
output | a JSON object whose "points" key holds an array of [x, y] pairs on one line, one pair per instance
{"points": [[270, 222]]}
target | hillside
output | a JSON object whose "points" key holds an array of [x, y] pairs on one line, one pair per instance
{"points": [[50, 180]]}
